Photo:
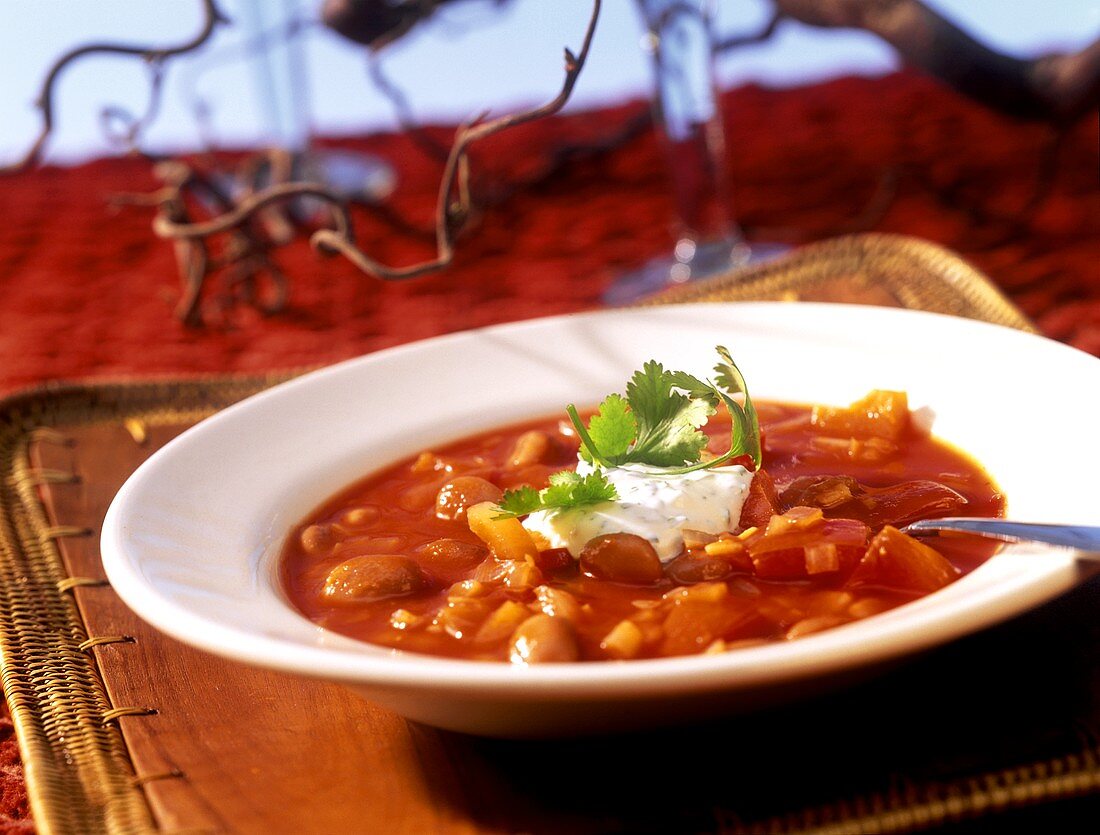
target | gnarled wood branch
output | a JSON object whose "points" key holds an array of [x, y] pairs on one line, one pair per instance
{"points": [[453, 204], [212, 17], [1052, 88]]}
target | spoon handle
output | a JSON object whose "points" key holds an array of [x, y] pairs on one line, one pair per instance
{"points": [[1084, 538]]}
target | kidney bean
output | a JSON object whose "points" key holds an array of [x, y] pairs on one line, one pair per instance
{"points": [[463, 492], [541, 639], [454, 554], [698, 568], [373, 577], [621, 558]]}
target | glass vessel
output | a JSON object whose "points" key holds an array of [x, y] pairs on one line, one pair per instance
{"points": [[679, 37]]}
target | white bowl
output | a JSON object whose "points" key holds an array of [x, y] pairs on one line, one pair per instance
{"points": [[192, 540]]}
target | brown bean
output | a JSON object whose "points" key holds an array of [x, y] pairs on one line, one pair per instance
{"points": [[317, 540], [531, 448], [365, 545], [558, 603], [360, 517], [621, 558], [462, 492], [692, 567], [541, 639], [373, 577], [454, 554]]}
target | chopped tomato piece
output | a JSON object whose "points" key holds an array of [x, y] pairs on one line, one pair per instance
{"points": [[881, 414], [785, 555], [897, 561], [553, 559], [761, 503]]}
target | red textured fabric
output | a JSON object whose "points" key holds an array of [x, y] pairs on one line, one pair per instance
{"points": [[87, 291]]}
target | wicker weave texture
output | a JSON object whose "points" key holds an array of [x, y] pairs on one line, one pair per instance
{"points": [[78, 772]]}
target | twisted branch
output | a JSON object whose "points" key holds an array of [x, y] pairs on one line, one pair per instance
{"points": [[453, 205], [764, 34], [212, 16], [243, 211]]}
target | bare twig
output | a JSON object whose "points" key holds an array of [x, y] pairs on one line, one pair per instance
{"points": [[764, 34], [243, 211], [1055, 88], [212, 16], [453, 204]]}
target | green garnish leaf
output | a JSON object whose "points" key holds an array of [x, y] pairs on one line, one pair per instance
{"points": [[658, 423], [520, 502], [668, 421], [611, 429], [746, 424], [567, 490]]}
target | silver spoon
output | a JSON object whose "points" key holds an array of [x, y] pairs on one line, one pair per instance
{"points": [[1083, 538]]}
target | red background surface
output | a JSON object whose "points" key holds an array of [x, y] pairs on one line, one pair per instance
{"points": [[87, 290]]}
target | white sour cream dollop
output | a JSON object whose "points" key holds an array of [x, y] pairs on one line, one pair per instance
{"points": [[651, 505]]}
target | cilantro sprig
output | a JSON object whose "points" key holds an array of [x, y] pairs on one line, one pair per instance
{"points": [[567, 490], [657, 424]]}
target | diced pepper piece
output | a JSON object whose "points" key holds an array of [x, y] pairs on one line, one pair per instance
{"points": [[782, 556], [881, 414], [899, 562], [693, 625], [822, 557], [795, 519], [761, 503], [506, 538], [623, 641], [554, 559]]}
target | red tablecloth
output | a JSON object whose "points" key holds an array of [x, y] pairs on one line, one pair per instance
{"points": [[86, 290]]}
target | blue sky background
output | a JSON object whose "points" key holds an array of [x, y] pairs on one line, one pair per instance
{"points": [[474, 56]]}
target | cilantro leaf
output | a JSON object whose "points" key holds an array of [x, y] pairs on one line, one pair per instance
{"points": [[746, 425], [658, 423], [520, 502], [610, 430], [567, 491], [668, 421]]}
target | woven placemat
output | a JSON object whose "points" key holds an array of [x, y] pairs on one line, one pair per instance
{"points": [[80, 764], [875, 269]]}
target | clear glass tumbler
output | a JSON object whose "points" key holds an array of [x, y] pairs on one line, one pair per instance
{"points": [[679, 37]]}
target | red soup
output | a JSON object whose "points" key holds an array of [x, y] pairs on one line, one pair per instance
{"points": [[418, 556]]}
